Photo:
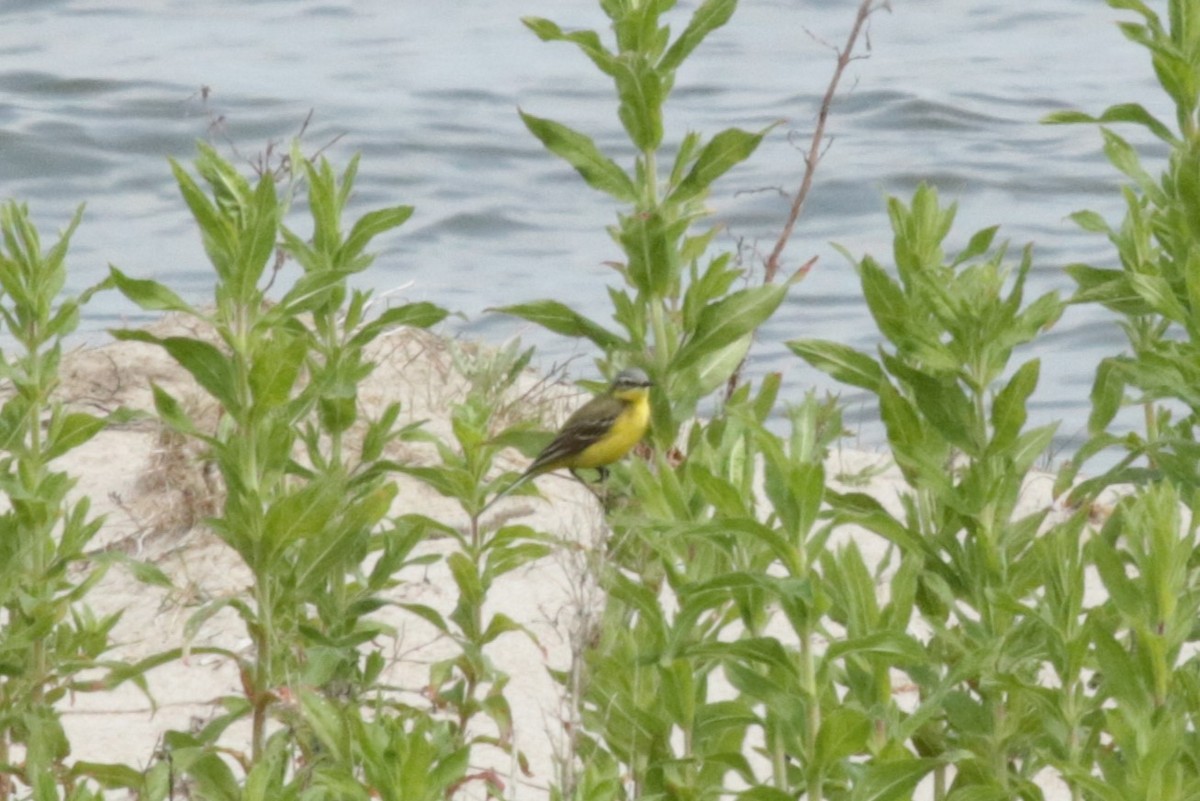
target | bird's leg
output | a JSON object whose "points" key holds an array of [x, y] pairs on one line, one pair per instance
{"points": [[602, 494], [600, 488]]}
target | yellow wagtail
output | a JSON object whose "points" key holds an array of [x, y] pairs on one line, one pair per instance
{"points": [[599, 433]]}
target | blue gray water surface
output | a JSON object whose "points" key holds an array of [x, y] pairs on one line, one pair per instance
{"points": [[95, 95]]}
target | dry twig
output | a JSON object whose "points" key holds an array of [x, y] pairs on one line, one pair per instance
{"points": [[815, 148]]}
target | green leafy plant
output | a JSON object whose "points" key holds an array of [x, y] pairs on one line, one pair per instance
{"points": [[50, 640], [1155, 290], [679, 316], [1147, 679], [468, 686], [1133, 720], [736, 649], [392, 754], [955, 418], [300, 509]]}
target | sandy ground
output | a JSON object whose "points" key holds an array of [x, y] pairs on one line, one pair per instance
{"points": [[153, 496]]}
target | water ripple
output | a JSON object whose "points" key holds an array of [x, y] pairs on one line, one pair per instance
{"points": [[950, 95]]}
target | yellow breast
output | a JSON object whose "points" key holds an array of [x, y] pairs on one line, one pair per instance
{"points": [[627, 430]]}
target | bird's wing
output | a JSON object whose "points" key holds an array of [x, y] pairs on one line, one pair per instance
{"points": [[585, 427]]}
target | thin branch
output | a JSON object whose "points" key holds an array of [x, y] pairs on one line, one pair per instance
{"points": [[817, 145]]}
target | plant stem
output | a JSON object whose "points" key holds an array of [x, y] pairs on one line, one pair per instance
{"points": [[779, 762], [31, 469], [999, 752], [808, 684], [263, 665]]}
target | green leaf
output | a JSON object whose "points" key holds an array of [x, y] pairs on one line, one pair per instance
{"points": [[727, 320], [718, 492], [981, 792], [978, 244], [110, 776], [1031, 445], [171, 410], [649, 243], [919, 453], [1108, 393], [886, 302], [1091, 221], [1066, 117], [768, 392], [260, 229], [414, 315], [727, 149], [149, 295], [1119, 671], [451, 482], [76, 428], [711, 14], [901, 648], [216, 233], [211, 368], [466, 578], [302, 513], [765, 792], [316, 289], [1110, 288], [844, 732], [1123, 112], [1124, 157], [1126, 594], [893, 780], [212, 778], [714, 369], [1159, 296], [587, 41], [864, 510], [561, 319], [580, 152], [369, 226], [207, 364], [641, 89], [326, 721], [498, 625], [1008, 410], [146, 572], [840, 361], [942, 403], [777, 544], [448, 773], [276, 368], [428, 614]]}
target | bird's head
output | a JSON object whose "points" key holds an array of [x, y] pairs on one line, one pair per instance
{"points": [[630, 384]]}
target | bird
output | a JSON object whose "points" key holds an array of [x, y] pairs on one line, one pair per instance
{"points": [[599, 433]]}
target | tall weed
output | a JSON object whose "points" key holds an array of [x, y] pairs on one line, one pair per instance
{"points": [[306, 514], [51, 643], [1156, 289]]}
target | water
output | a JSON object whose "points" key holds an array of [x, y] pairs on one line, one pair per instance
{"points": [[94, 97]]}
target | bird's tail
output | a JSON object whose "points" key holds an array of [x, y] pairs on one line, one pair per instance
{"points": [[528, 474]]}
